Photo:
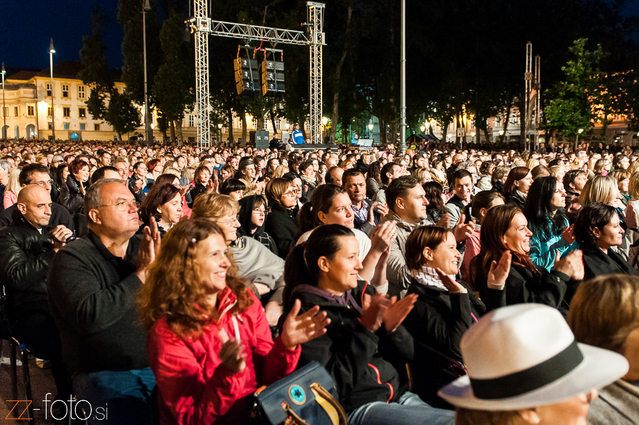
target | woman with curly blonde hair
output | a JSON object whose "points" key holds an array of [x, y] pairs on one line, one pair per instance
{"points": [[209, 343]]}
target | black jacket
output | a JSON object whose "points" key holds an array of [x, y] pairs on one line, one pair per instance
{"points": [[24, 261], [523, 286], [439, 318], [193, 193], [360, 361], [281, 224], [92, 296], [246, 212], [437, 323], [597, 263], [59, 215], [71, 196], [516, 199]]}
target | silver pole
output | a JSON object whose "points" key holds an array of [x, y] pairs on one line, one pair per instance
{"points": [[51, 52], [402, 110], [147, 124], [4, 113]]}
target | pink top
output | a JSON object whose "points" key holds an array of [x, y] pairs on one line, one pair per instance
{"points": [[473, 247], [10, 198]]}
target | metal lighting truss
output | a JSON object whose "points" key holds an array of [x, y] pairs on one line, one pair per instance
{"points": [[203, 26]]}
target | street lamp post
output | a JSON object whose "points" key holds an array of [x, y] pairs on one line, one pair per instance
{"points": [[219, 126], [147, 123], [581, 130], [51, 52], [370, 130], [4, 112], [402, 109]]}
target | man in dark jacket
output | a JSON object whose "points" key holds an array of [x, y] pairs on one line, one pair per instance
{"points": [[37, 174], [92, 287], [28, 246], [367, 213]]}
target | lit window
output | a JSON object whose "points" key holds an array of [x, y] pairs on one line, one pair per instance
{"points": [[82, 112]]}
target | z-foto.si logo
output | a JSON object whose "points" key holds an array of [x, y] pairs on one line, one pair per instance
{"points": [[19, 408], [59, 410]]}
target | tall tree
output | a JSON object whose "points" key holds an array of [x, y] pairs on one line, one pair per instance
{"points": [[104, 101], [574, 100], [174, 82]]}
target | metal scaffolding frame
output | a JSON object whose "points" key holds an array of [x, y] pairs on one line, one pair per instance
{"points": [[532, 104], [203, 26]]}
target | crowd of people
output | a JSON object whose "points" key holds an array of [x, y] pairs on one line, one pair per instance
{"points": [[439, 286]]}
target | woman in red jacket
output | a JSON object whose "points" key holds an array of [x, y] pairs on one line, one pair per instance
{"points": [[209, 343]]}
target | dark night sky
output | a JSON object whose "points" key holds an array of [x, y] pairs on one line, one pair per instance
{"points": [[26, 26]]}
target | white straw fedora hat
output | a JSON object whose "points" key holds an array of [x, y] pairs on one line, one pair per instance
{"points": [[525, 355]]}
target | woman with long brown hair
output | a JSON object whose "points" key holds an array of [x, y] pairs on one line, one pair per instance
{"points": [[505, 229], [516, 187], [209, 343]]}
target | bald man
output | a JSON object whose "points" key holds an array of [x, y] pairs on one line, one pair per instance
{"points": [[28, 246]]}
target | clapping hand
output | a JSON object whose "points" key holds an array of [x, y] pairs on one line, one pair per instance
{"points": [[149, 248], [568, 233], [498, 272], [373, 309], [231, 353], [397, 311], [571, 265], [301, 328], [464, 231], [452, 286]]}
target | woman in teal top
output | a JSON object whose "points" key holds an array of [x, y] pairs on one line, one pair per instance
{"points": [[544, 210]]}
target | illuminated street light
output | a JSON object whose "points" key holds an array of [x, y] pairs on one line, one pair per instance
{"points": [[4, 115], [51, 52]]}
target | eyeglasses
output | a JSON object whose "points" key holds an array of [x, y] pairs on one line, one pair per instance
{"points": [[290, 193], [259, 211], [124, 205], [44, 183]]}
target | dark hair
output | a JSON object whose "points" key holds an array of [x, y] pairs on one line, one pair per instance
{"points": [[305, 165], [398, 189], [158, 195], [374, 172], [59, 171], [484, 199], [329, 176], [231, 185], [321, 200], [387, 168], [301, 264], [77, 164], [137, 164], [570, 177], [495, 225], [537, 210], [247, 205], [460, 174], [595, 215], [152, 164], [198, 170], [165, 179], [434, 192], [351, 172], [25, 175], [514, 175], [99, 173], [420, 238]]}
